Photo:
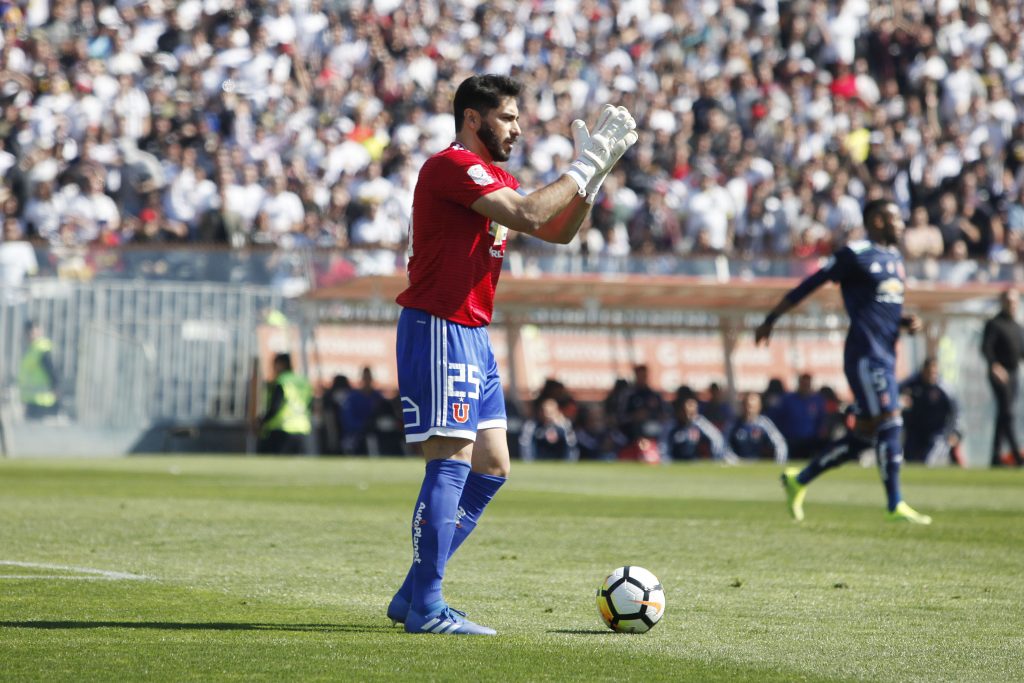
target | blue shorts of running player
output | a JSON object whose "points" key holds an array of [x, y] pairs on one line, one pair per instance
{"points": [[447, 377], [874, 386]]}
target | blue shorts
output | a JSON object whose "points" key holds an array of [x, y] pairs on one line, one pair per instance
{"points": [[874, 386], [447, 377]]}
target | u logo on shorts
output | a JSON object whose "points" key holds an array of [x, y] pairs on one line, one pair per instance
{"points": [[460, 412]]}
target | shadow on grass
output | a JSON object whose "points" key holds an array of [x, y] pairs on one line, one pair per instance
{"points": [[197, 626], [583, 631]]}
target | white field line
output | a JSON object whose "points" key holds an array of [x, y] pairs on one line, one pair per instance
{"points": [[83, 573]]}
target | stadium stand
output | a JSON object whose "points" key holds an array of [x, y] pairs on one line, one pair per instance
{"points": [[766, 124]]}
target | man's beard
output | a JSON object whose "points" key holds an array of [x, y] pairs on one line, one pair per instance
{"points": [[487, 136]]}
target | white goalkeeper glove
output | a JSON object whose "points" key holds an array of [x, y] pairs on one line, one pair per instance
{"points": [[621, 130], [596, 152]]}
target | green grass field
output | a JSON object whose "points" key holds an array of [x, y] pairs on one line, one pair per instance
{"points": [[279, 570]]}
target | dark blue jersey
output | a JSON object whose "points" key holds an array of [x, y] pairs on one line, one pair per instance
{"points": [[933, 410], [870, 277], [758, 438], [685, 440]]}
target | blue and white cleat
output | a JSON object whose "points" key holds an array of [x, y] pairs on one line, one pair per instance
{"points": [[398, 608], [445, 621]]}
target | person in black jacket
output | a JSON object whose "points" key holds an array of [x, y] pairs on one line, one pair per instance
{"points": [[1003, 345]]}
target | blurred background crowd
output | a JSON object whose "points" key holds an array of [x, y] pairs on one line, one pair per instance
{"points": [[636, 422], [765, 124]]}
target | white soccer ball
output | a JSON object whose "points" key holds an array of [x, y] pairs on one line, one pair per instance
{"points": [[631, 600]]}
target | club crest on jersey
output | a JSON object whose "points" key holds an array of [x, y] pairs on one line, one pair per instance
{"points": [[479, 175], [890, 291], [460, 412]]}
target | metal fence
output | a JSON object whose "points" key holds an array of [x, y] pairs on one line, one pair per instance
{"points": [[132, 353]]}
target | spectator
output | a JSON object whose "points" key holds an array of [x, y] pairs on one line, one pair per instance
{"points": [[709, 212], [921, 239], [596, 439], [718, 408], [931, 418], [246, 197], [772, 400], [94, 208], [331, 407], [387, 434], [43, 212], [548, 436], [381, 235], [644, 408], [802, 419], [17, 261], [280, 212], [358, 411], [614, 405], [691, 436], [219, 224], [754, 436]]}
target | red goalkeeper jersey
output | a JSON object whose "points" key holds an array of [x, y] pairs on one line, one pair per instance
{"points": [[455, 253]]}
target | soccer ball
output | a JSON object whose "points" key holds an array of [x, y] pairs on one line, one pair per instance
{"points": [[631, 600]]}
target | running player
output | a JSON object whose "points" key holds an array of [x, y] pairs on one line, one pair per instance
{"points": [[452, 399], [870, 274]]}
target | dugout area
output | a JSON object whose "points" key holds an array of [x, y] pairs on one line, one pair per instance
{"points": [[687, 329]]}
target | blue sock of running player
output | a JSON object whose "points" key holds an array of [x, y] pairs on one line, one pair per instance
{"points": [[835, 454], [890, 458], [479, 490], [433, 526]]}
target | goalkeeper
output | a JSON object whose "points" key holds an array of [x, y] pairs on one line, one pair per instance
{"points": [[452, 402]]}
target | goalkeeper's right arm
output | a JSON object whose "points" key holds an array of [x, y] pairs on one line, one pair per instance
{"points": [[555, 212]]}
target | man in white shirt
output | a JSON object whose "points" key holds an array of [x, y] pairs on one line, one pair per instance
{"points": [[94, 207], [710, 211], [281, 211], [43, 211], [17, 260], [246, 198], [280, 26], [376, 228], [132, 106]]}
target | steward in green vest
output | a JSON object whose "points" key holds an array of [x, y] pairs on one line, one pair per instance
{"points": [[37, 379], [287, 425]]}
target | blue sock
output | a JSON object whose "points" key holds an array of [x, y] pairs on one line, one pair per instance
{"points": [[433, 525], [479, 490], [835, 454], [890, 458]]}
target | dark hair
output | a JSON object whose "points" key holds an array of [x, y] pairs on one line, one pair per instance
{"points": [[284, 360], [875, 206], [483, 93]]}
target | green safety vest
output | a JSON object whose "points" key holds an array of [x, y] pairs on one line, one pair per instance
{"points": [[33, 380], [293, 417]]}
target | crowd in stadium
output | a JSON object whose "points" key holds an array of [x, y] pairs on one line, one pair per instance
{"points": [[635, 422], [765, 125]]}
